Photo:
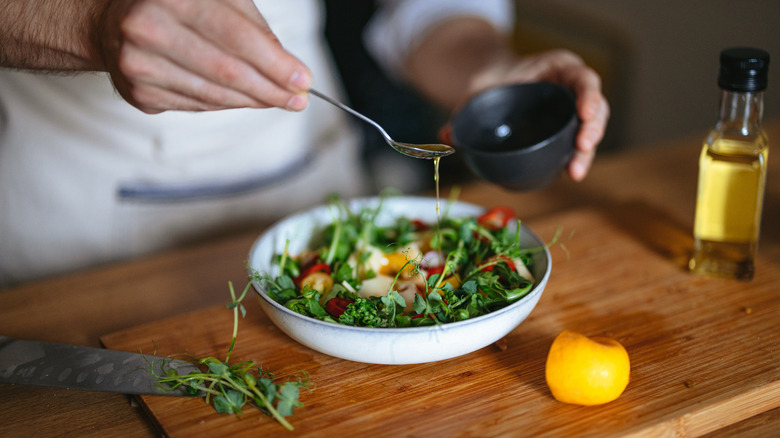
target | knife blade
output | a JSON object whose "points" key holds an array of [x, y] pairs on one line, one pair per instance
{"points": [[86, 368]]}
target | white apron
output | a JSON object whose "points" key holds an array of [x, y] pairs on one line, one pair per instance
{"points": [[85, 178]]}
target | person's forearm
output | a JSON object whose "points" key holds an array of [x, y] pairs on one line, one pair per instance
{"points": [[50, 35], [450, 63]]}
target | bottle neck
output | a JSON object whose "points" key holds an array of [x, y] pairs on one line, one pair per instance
{"points": [[741, 111]]}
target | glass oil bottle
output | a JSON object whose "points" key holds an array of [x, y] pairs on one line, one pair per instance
{"points": [[732, 171]]}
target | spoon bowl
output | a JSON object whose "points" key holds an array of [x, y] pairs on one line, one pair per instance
{"points": [[424, 151]]}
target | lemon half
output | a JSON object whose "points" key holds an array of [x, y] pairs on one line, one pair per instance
{"points": [[586, 371]]}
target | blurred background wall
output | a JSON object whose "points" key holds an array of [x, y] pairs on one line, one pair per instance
{"points": [[658, 61]]}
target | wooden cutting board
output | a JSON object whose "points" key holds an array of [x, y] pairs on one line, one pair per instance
{"points": [[704, 352]]}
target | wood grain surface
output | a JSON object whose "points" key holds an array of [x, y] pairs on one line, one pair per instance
{"points": [[704, 352]]}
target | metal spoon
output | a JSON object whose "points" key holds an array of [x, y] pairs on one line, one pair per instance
{"points": [[427, 151]]}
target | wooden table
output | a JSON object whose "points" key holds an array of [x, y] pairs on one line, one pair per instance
{"points": [[82, 307]]}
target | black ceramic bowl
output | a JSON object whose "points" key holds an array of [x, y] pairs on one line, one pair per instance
{"points": [[518, 136]]}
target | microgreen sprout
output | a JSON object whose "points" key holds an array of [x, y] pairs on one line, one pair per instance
{"points": [[230, 387]]}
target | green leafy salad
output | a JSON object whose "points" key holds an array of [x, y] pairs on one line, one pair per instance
{"points": [[405, 274]]}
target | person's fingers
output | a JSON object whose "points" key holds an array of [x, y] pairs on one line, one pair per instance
{"points": [[249, 8], [198, 68], [592, 108], [165, 99], [153, 73], [250, 40], [212, 54], [579, 166], [594, 112]]}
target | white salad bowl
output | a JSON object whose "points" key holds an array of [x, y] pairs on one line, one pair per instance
{"points": [[391, 346]]}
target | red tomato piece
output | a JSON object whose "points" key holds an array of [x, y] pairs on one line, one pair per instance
{"points": [[496, 218], [336, 306], [433, 270], [317, 267], [419, 225], [500, 258]]}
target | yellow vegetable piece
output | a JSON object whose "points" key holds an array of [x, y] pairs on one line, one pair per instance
{"points": [[394, 262], [319, 281], [453, 279], [586, 371]]}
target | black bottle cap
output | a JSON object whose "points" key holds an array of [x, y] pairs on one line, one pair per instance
{"points": [[743, 69]]}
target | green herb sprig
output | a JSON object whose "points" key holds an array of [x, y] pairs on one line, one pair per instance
{"points": [[230, 387]]}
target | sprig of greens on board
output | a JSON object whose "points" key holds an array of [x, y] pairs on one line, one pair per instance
{"points": [[231, 387]]}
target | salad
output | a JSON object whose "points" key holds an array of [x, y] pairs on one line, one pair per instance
{"points": [[406, 274]]}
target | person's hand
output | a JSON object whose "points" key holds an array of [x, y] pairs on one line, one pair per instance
{"points": [[565, 68], [198, 55]]}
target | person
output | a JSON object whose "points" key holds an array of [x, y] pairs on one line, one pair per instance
{"points": [[128, 126]]}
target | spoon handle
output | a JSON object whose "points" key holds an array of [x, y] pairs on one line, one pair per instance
{"points": [[351, 111]]}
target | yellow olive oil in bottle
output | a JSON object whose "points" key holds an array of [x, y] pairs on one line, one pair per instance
{"points": [[732, 171]]}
